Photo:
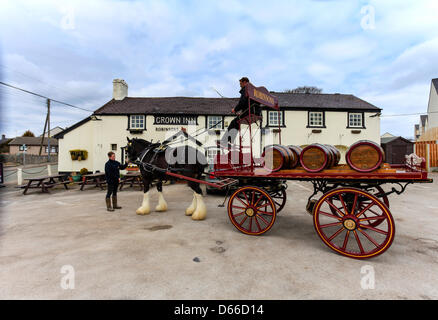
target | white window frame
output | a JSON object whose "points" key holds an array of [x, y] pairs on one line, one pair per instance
{"points": [[211, 154], [274, 119], [352, 117], [313, 116], [20, 148], [214, 122], [137, 122], [52, 149]]}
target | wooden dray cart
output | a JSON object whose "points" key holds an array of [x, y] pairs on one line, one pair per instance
{"points": [[350, 209]]}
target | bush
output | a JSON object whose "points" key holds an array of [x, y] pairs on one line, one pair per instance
{"points": [[83, 171]]}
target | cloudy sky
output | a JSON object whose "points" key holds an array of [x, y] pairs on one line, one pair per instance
{"points": [[382, 51]]}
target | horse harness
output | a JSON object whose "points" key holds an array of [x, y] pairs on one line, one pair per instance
{"points": [[156, 149]]}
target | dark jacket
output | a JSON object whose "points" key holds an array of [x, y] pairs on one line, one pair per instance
{"points": [[112, 171], [243, 103]]}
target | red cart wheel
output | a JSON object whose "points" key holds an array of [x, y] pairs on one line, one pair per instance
{"points": [[279, 198], [251, 210], [348, 232]]}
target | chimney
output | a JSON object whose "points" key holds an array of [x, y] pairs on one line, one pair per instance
{"points": [[120, 89], [3, 136]]}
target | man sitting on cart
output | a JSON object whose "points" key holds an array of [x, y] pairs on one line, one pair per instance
{"points": [[242, 110]]}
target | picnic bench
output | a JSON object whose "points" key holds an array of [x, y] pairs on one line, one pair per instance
{"points": [[98, 179], [131, 178], [46, 182]]}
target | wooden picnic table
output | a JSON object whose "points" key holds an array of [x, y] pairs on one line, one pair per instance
{"points": [[133, 178], [46, 182], [98, 179]]}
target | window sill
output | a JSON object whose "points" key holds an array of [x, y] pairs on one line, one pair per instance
{"points": [[316, 127], [136, 131], [355, 128], [275, 126]]}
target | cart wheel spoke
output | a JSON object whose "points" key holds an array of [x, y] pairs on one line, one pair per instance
{"points": [[373, 218], [343, 203], [369, 237], [243, 220], [336, 234], [374, 229], [265, 212], [245, 204], [336, 208], [239, 214], [353, 209], [262, 206], [257, 223], [330, 224], [346, 240], [358, 242], [257, 202], [246, 197], [365, 209], [262, 219], [330, 215]]}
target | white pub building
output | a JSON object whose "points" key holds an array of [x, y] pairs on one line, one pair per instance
{"points": [[337, 119]]}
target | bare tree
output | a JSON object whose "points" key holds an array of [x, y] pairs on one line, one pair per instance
{"points": [[304, 89]]}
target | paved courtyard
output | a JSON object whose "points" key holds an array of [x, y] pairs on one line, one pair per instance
{"points": [[120, 255]]}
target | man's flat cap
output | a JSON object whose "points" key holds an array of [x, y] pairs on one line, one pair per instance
{"points": [[244, 79]]}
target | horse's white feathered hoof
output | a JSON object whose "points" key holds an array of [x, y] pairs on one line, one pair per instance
{"points": [[201, 210], [162, 205], [143, 211], [192, 208], [145, 208]]}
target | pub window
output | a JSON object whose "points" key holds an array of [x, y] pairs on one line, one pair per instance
{"points": [[214, 122], [355, 120], [21, 148], [275, 118], [211, 155], [52, 149], [113, 147], [316, 119], [137, 122]]}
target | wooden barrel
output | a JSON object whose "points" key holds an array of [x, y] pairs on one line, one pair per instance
{"points": [[365, 156], [316, 157], [277, 157], [296, 150], [336, 154]]}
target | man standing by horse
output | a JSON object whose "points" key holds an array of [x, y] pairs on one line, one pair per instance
{"points": [[112, 175], [242, 109]]}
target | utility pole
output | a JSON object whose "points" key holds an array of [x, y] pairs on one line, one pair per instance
{"points": [[48, 130], [42, 138]]}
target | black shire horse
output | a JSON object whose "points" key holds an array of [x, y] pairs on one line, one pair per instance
{"points": [[153, 159]]}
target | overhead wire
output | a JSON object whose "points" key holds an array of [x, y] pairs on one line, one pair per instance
{"points": [[42, 96]]}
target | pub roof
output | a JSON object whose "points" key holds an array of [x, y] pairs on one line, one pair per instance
{"points": [[223, 106]]}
